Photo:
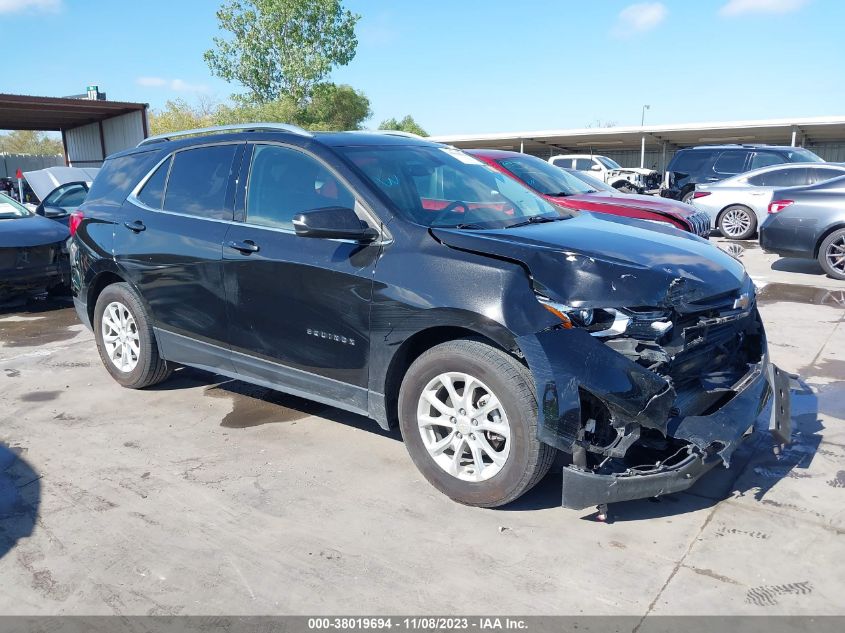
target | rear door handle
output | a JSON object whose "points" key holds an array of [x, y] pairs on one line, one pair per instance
{"points": [[137, 226], [246, 247]]}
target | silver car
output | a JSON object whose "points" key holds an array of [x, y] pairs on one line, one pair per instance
{"points": [[738, 205]]}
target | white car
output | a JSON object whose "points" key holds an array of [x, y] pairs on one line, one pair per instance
{"points": [[625, 179], [738, 205]]}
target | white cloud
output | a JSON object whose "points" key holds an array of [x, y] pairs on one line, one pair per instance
{"points": [[743, 7], [18, 6], [176, 85], [639, 18]]}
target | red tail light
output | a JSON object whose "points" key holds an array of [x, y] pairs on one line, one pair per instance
{"points": [[776, 206], [74, 221], [701, 194]]}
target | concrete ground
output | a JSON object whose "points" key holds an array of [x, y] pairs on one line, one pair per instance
{"points": [[205, 496]]}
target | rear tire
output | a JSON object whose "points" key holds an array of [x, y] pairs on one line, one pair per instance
{"points": [[125, 339], [737, 222], [832, 254], [493, 424], [688, 196]]}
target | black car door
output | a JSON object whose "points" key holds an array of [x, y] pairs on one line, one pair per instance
{"points": [[170, 247], [299, 307]]}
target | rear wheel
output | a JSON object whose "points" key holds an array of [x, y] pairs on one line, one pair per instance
{"points": [[737, 222], [125, 339], [688, 196], [832, 254], [468, 416]]}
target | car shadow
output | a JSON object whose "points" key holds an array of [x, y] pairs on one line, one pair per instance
{"points": [[34, 304], [253, 405], [755, 469], [795, 265], [20, 497]]}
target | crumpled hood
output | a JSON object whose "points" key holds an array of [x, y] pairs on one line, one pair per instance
{"points": [[609, 262], [34, 230]]}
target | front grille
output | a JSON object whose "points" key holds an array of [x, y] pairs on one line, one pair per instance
{"points": [[700, 223]]}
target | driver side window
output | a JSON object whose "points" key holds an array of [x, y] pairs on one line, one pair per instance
{"points": [[285, 182]]}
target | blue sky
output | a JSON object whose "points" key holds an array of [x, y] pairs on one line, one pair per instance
{"points": [[472, 66]]}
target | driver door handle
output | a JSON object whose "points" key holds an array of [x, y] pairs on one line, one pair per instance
{"points": [[137, 226], [246, 247]]}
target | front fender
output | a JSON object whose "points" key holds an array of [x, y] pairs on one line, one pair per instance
{"points": [[563, 362]]}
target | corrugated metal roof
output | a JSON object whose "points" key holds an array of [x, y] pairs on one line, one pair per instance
{"points": [[576, 140]]}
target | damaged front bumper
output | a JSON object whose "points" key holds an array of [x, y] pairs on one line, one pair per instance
{"points": [[720, 434], [646, 412]]}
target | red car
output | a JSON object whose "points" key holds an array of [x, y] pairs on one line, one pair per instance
{"points": [[572, 192]]}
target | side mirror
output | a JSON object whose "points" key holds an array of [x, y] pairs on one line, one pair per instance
{"points": [[53, 212], [339, 223], [595, 168]]}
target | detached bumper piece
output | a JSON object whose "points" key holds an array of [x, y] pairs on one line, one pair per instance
{"points": [[712, 439]]}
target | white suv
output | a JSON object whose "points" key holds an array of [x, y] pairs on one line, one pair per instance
{"points": [[626, 179]]}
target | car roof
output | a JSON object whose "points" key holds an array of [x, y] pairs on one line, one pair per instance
{"points": [[495, 153], [265, 132], [780, 148]]}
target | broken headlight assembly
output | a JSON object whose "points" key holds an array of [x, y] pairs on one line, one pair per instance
{"points": [[644, 323]]}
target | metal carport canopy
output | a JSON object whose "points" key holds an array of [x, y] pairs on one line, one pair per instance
{"points": [[584, 140], [24, 112]]}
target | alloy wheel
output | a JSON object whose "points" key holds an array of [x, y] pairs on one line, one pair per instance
{"points": [[835, 255], [464, 426], [735, 222], [120, 336]]}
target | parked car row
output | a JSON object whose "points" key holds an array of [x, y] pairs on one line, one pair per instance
{"points": [[431, 289]]}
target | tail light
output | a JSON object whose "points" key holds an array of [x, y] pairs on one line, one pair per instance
{"points": [[74, 221], [701, 194], [776, 206]]}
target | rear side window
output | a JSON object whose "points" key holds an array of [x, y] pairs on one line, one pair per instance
{"points": [[119, 176], [565, 163], [730, 162], [198, 181], [152, 194], [781, 178], [691, 161], [820, 174]]}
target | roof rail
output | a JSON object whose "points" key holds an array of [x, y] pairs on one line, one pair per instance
{"points": [[219, 129]]}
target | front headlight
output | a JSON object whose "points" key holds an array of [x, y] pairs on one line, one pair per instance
{"points": [[607, 322]]}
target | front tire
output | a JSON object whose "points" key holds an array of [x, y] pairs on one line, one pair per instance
{"points": [[125, 339], [468, 415], [737, 222], [832, 254]]}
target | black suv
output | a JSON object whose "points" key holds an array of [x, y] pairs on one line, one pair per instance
{"points": [[711, 163], [408, 282]]}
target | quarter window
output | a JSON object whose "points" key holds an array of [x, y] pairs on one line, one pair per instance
{"points": [[152, 193], [198, 181], [284, 182]]}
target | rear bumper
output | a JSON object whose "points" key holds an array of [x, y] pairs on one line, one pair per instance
{"points": [[712, 440]]}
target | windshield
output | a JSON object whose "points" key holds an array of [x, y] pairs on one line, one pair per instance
{"points": [[12, 209], [609, 162], [592, 181], [545, 177], [442, 186], [801, 155]]}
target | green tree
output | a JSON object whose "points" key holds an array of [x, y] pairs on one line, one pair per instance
{"points": [[405, 125], [29, 142], [281, 48], [178, 115]]}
